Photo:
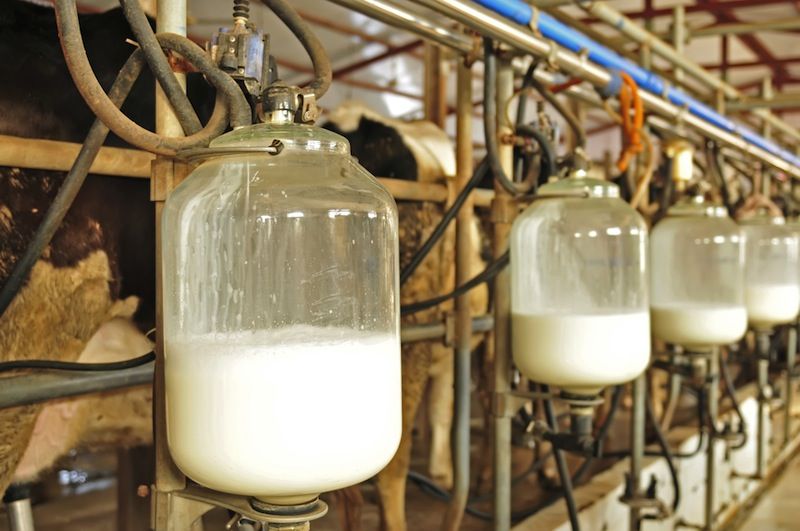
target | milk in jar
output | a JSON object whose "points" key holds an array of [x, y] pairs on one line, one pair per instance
{"points": [[697, 270], [230, 426], [281, 317], [579, 297], [772, 281]]}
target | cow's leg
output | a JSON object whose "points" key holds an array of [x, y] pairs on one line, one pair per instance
{"points": [[18, 507], [391, 480], [440, 415]]}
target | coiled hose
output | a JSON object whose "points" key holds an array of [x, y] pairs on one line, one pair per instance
{"points": [[231, 106]]}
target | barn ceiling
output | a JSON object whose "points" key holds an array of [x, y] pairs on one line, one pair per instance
{"points": [[382, 66]]}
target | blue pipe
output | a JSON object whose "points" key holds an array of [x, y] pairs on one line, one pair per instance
{"points": [[550, 28]]}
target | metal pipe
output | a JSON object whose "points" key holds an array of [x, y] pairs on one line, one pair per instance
{"points": [[634, 31], [39, 387], [502, 215], [764, 395], [786, 24], [780, 101], [170, 17], [489, 24], [521, 38], [791, 356], [712, 386], [637, 448], [405, 17], [20, 515], [679, 37], [462, 360]]}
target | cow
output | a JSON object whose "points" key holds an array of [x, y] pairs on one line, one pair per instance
{"points": [[415, 151], [91, 295]]}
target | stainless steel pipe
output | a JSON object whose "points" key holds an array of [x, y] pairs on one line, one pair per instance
{"points": [[463, 351], [639, 395], [503, 209], [20, 515], [764, 397], [520, 38], [407, 18], [711, 450], [42, 386], [39, 387], [791, 357], [637, 33]]}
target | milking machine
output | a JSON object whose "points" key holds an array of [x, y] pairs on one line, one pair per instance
{"points": [[279, 282]]}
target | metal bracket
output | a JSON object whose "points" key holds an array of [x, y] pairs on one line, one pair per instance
{"points": [[188, 505]]}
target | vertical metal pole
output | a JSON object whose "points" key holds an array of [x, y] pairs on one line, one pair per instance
{"points": [[791, 355], [435, 96], [462, 361], [502, 216], [638, 412], [679, 37], [18, 508], [764, 393], [637, 446], [20, 515], [170, 17], [712, 389]]}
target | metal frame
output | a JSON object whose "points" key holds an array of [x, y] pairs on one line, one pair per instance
{"points": [[170, 509]]}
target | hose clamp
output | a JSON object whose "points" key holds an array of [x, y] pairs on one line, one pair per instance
{"points": [[534, 22], [552, 55]]}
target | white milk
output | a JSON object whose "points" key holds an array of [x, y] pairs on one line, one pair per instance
{"points": [[581, 353], [283, 415], [771, 304], [699, 325]]}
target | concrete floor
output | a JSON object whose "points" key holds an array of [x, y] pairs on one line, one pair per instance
{"points": [[777, 509]]}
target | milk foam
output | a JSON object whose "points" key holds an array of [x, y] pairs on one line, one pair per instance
{"points": [[581, 353], [698, 325], [283, 415], [772, 304]]}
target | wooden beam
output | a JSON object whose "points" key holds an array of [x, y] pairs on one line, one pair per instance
{"points": [[54, 155]]}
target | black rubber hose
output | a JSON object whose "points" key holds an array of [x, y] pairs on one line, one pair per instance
{"points": [[716, 163], [323, 72], [230, 99], [490, 122], [491, 271], [561, 464], [160, 67], [430, 487], [731, 390], [441, 227], [71, 185], [701, 437], [667, 452], [616, 399], [53, 365], [563, 110], [549, 163]]}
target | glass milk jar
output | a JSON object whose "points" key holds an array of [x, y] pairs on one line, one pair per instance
{"points": [[697, 277], [772, 284], [580, 317], [281, 317]]}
